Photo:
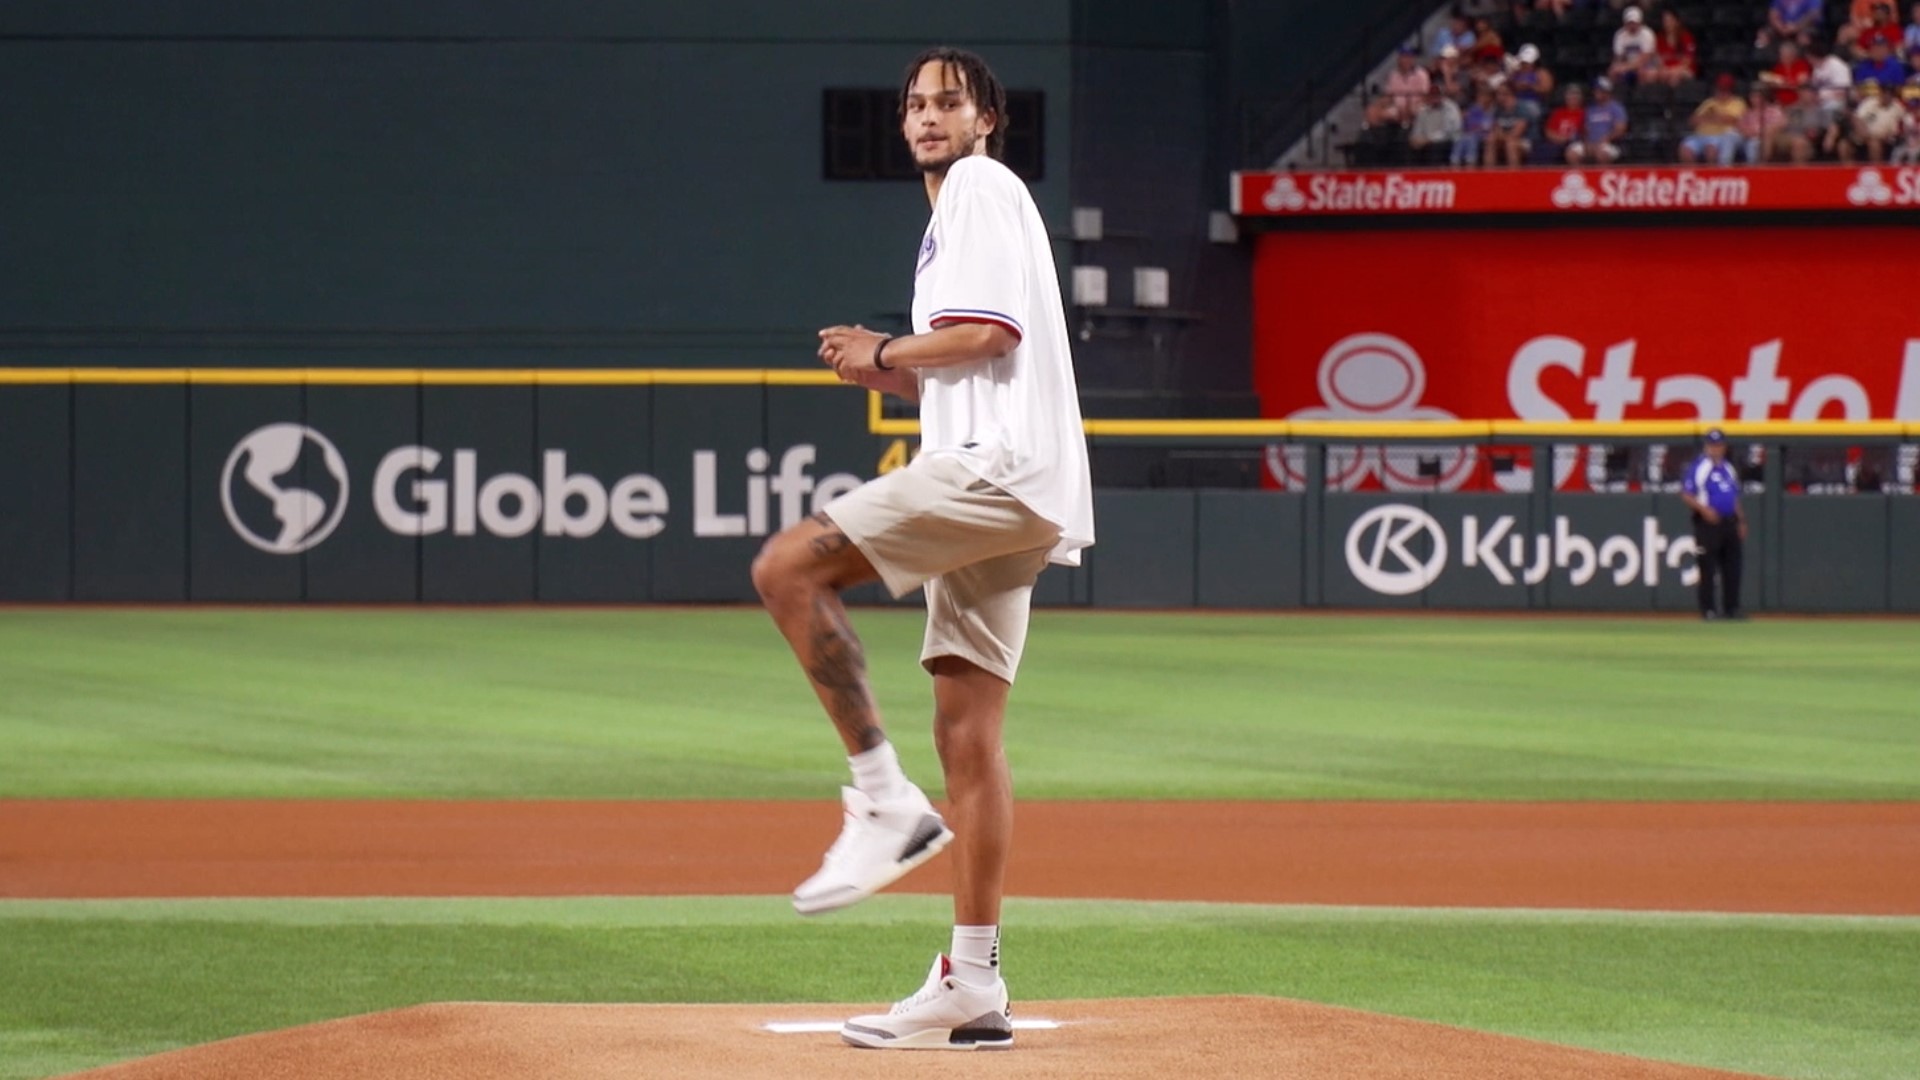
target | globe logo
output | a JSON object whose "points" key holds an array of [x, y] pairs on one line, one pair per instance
{"points": [[284, 488]]}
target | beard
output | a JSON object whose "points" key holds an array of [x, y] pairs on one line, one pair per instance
{"points": [[960, 146]]}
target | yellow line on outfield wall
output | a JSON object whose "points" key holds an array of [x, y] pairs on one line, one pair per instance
{"points": [[419, 376], [1440, 431]]}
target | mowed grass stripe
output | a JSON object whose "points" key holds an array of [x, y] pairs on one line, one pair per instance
{"points": [[1780, 995], [658, 703], [733, 910]]}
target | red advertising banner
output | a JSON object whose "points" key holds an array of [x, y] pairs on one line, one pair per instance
{"points": [[1629, 323], [1573, 191]]}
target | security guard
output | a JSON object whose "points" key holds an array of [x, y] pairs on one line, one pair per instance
{"points": [[1712, 491]]}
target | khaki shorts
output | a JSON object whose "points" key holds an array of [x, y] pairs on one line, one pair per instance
{"points": [[976, 548]]}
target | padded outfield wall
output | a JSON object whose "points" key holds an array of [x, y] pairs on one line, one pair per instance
{"points": [[445, 486]]}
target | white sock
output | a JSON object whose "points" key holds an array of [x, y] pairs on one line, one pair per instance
{"points": [[976, 954], [877, 774]]}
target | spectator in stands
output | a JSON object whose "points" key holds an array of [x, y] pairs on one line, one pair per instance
{"points": [[1457, 34], [1487, 45], [1476, 124], [1565, 124], [1435, 127], [1634, 46], [1676, 51], [1716, 126], [1407, 86], [1859, 18], [1606, 125], [1450, 76], [1908, 150], [1487, 74], [1884, 27], [1788, 74], [1913, 66], [1558, 7], [1832, 79], [1881, 66], [1530, 81], [1762, 127], [1876, 124], [1800, 139], [1790, 20], [1910, 41], [1512, 130]]}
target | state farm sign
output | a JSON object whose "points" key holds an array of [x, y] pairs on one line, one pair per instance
{"points": [[1650, 190], [1546, 191], [1768, 323], [1350, 192]]}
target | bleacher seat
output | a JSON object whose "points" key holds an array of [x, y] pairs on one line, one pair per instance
{"points": [[1741, 15], [1730, 54], [1650, 94], [1578, 63]]}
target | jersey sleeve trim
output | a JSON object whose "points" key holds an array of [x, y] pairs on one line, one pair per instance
{"points": [[948, 316]]}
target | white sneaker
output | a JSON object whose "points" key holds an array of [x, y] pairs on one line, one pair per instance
{"points": [[946, 1014], [879, 843]]}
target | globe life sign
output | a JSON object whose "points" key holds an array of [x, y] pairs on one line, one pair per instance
{"points": [[285, 489]]}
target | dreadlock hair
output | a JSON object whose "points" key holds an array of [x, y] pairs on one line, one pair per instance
{"points": [[985, 90]]}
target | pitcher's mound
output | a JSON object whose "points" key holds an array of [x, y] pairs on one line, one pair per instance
{"points": [[1151, 1037]]}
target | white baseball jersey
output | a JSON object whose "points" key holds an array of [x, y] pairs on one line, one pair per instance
{"points": [[1015, 420]]}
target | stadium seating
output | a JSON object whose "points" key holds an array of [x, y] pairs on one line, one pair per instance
{"points": [[1579, 48]]}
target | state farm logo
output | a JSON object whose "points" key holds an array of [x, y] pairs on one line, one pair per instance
{"points": [[1650, 190], [1374, 377], [1383, 549], [1284, 195], [1871, 188], [1573, 192], [1359, 192]]}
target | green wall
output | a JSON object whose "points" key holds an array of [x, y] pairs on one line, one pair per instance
{"points": [[460, 184]]}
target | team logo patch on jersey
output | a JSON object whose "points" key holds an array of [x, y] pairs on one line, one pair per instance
{"points": [[928, 249]]}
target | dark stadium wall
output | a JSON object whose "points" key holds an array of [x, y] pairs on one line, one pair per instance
{"points": [[1289, 60], [471, 183], [1147, 88]]}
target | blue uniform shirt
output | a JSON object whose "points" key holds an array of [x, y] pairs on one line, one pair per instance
{"points": [[1714, 483]]}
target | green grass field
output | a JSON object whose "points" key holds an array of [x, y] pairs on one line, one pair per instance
{"points": [[676, 703], [661, 703]]}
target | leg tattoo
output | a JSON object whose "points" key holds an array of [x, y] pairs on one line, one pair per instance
{"points": [[831, 544], [838, 667]]}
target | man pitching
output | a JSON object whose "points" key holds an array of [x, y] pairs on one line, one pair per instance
{"points": [[999, 489]]}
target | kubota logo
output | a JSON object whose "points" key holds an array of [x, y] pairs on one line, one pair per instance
{"points": [[1398, 550], [284, 488], [1381, 550]]}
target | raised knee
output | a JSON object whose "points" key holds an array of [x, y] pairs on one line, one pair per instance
{"points": [[773, 572]]}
